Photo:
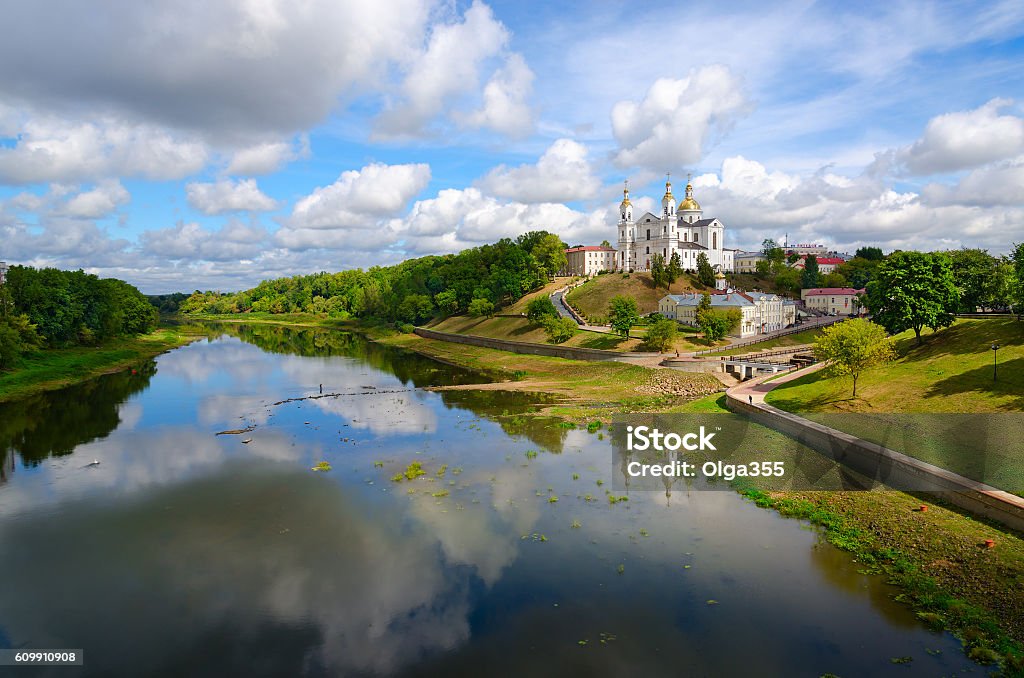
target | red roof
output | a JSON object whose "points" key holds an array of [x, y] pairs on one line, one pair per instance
{"points": [[831, 291], [590, 248], [831, 260]]}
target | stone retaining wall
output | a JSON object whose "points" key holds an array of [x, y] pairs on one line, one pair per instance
{"points": [[876, 461], [553, 350]]}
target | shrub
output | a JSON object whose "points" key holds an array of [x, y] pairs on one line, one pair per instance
{"points": [[559, 330], [539, 309], [661, 335]]}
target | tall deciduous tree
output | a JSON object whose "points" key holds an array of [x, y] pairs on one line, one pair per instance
{"points": [[853, 346], [913, 290], [716, 323], [661, 335], [623, 314], [658, 273], [973, 270], [1017, 284], [705, 273], [674, 269]]}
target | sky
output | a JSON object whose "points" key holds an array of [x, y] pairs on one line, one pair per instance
{"points": [[198, 145]]}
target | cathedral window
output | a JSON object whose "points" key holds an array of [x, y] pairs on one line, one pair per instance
{"points": [[648, 234], [648, 249], [714, 241]]}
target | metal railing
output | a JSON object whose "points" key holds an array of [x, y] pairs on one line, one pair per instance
{"points": [[773, 335]]}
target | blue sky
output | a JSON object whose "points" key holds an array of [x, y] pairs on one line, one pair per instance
{"points": [[210, 145]]}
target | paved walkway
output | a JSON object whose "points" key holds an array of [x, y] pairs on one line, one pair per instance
{"points": [[753, 390]]}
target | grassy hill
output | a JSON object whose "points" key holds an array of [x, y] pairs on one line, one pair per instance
{"points": [[937, 402], [952, 372], [591, 298]]}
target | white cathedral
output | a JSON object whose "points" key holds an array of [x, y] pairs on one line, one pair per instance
{"points": [[681, 230]]}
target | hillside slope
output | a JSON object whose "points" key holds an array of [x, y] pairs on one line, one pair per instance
{"points": [[591, 299]]}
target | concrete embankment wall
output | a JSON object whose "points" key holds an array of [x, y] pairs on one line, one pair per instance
{"points": [[888, 466], [524, 347]]}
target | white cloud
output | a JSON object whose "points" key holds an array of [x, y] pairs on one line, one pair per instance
{"points": [[55, 149], [229, 70], [235, 240], [229, 196], [99, 202], [358, 198], [505, 108], [266, 157], [675, 121], [448, 67], [963, 140], [562, 174], [997, 184]]}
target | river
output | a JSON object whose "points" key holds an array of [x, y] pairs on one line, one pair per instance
{"points": [[183, 552]]}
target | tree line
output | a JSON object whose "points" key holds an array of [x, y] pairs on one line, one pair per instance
{"points": [[51, 308], [477, 280]]}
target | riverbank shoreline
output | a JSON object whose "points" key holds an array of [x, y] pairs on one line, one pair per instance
{"points": [[52, 369]]}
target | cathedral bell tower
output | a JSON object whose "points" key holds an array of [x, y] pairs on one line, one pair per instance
{"points": [[625, 257]]}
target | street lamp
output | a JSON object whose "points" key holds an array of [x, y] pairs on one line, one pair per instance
{"points": [[995, 352]]}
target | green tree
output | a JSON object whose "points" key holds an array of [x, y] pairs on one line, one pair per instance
{"points": [[705, 273], [913, 290], [661, 335], [550, 253], [716, 323], [869, 253], [481, 307], [447, 301], [559, 330], [811, 277], [1016, 292], [853, 346], [658, 271], [416, 308], [973, 270], [792, 258], [674, 270], [859, 271], [539, 309], [833, 280], [623, 314], [788, 280], [17, 337], [605, 243]]}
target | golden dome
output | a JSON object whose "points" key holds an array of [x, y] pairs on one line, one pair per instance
{"points": [[688, 204]]}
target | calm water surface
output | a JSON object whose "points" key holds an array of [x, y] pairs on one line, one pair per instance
{"points": [[187, 553]]}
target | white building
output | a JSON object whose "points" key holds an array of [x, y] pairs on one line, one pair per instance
{"points": [[679, 229], [3, 272], [761, 312], [588, 260], [746, 262], [832, 300]]}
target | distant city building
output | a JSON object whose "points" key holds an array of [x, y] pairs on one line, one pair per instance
{"points": [[681, 230], [826, 265], [804, 249], [588, 260], [761, 312], [3, 272], [832, 300]]}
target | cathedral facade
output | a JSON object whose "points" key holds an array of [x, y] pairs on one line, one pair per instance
{"points": [[680, 229]]}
